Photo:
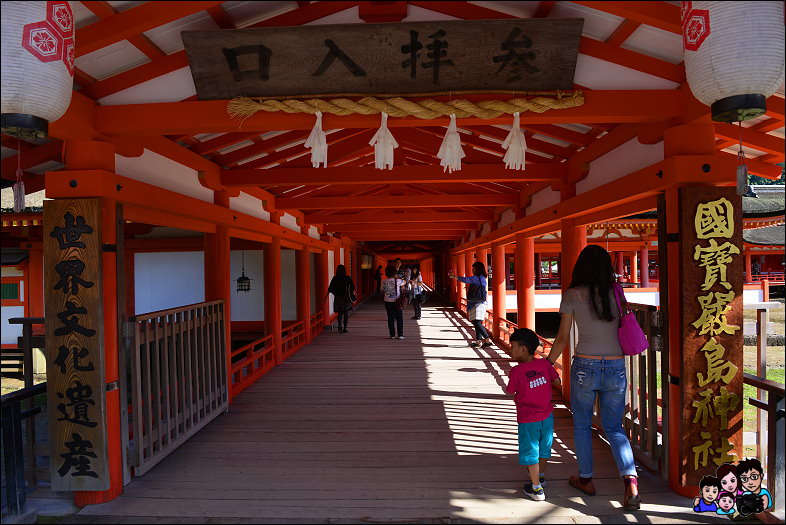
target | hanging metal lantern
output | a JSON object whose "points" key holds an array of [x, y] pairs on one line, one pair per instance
{"points": [[733, 55], [243, 283], [37, 65]]}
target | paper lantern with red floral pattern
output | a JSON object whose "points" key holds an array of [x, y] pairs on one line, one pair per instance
{"points": [[733, 55], [37, 65]]}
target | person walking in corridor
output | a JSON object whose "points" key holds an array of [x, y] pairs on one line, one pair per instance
{"points": [[343, 290], [476, 302], [391, 288], [377, 279], [416, 286], [598, 368]]}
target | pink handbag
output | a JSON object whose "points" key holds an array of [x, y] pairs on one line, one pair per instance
{"points": [[632, 338]]}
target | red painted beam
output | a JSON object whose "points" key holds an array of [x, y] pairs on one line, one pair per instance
{"points": [[398, 201], [623, 31], [414, 174], [263, 146]]}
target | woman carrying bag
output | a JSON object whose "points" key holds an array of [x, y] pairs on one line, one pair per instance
{"points": [[416, 285], [598, 368], [343, 290], [476, 302]]}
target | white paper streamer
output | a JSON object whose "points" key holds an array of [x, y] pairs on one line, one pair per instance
{"points": [[384, 143], [516, 145], [318, 143], [451, 152]]}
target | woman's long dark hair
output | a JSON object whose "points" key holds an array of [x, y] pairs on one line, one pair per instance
{"points": [[415, 271], [478, 268], [341, 271], [594, 270]]}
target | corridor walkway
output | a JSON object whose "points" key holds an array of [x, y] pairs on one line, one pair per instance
{"points": [[358, 428]]}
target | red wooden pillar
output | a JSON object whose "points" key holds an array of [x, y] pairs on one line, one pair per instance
{"points": [[483, 256], [499, 297], [218, 281], [644, 255], [748, 268], [619, 264], [460, 288], [525, 281], [91, 155], [574, 239], [323, 305], [538, 270], [35, 283], [453, 290], [272, 273], [303, 285], [634, 268]]}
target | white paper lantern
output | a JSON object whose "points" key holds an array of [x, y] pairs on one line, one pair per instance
{"points": [[37, 65], [733, 55]]}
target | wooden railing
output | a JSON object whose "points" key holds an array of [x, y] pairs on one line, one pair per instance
{"points": [[292, 338], [178, 379], [18, 459], [775, 430], [645, 392], [250, 362], [777, 277], [316, 324]]}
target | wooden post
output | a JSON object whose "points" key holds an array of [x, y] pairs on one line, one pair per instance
{"points": [[619, 264], [748, 268], [500, 296], [272, 271], [634, 268], [644, 255], [303, 284], [453, 290], [323, 305], [574, 239], [525, 281], [35, 283], [538, 270], [461, 288], [507, 271]]}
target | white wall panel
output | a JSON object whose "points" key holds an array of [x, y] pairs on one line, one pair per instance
{"points": [[171, 87], [289, 221], [595, 73], [10, 332], [542, 200], [168, 280], [160, 171], [249, 205], [629, 157]]}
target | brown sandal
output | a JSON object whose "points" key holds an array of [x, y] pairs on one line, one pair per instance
{"points": [[586, 488]]}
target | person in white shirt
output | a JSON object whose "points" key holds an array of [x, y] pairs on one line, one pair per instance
{"points": [[391, 289], [416, 286]]}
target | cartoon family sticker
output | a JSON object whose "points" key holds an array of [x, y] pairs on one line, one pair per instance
{"points": [[735, 490]]}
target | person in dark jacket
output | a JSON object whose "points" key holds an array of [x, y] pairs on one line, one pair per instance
{"points": [[343, 290]]}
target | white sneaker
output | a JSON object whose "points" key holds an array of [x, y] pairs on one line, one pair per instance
{"points": [[401, 337], [393, 337]]}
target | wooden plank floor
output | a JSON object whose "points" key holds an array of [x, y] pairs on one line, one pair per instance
{"points": [[358, 428]]}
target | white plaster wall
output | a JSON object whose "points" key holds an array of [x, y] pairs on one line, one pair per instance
{"points": [[289, 221], [542, 200], [486, 228], [595, 73], [168, 280], [171, 87], [752, 296], [247, 306], [313, 232], [471, 236], [249, 205], [506, 218], [288, 286], [625, 159], [10, 332], [157, 170]]}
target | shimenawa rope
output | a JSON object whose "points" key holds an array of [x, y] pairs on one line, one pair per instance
{"points": [[244, 107]]}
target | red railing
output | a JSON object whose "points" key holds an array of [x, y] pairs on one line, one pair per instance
{"points": [[316, 324], [250, 362], [292, 338], [776, 277]]}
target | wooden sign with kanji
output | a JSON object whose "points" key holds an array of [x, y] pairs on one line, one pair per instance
{"points": [[400, 58], [75, 345], [711, 383]]}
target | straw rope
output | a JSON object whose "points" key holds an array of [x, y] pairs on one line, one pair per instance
{"points": [[243, 107]]}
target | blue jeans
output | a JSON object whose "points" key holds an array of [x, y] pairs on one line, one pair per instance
{"points": [[607, 380]]}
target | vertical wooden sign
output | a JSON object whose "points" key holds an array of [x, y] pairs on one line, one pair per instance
{"points": [[75, 345], [711, 382]]}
